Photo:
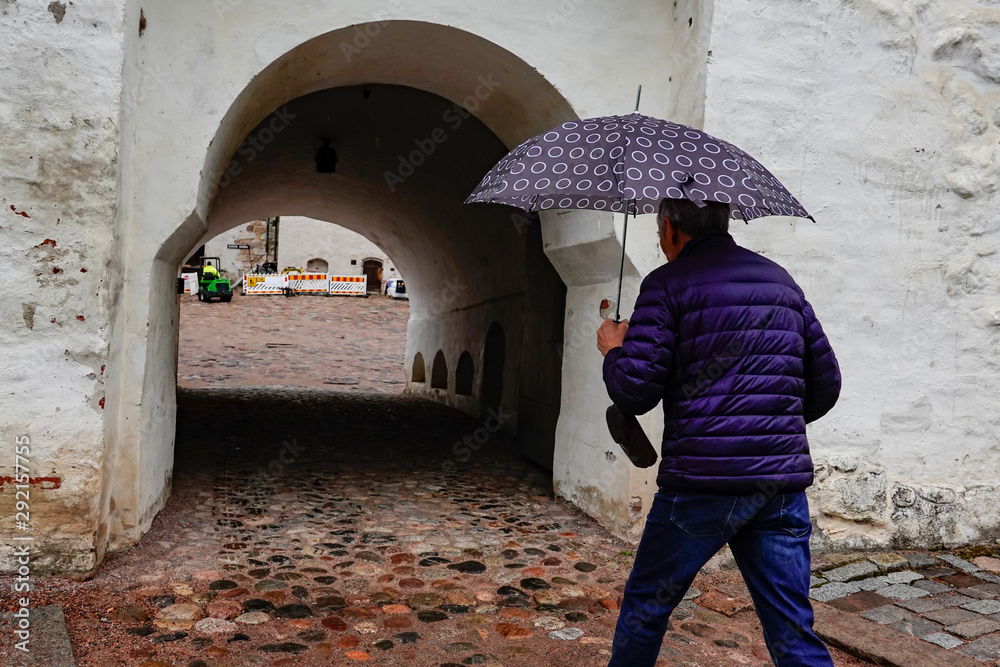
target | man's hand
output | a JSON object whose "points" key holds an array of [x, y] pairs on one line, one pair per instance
{"points": [[611, 335]]}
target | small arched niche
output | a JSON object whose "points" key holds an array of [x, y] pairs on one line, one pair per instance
{"points": [[439, 372], [417, 374], [317, 265], [464, 374]]}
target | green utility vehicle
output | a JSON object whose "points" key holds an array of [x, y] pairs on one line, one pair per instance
{"points": [[211, 284]]}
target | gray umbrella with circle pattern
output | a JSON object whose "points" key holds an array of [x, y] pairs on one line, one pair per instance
{"points": [[608, 163], [629, 163]]}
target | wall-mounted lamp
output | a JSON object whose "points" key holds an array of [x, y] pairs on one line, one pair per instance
{"points": [[326, 157]]}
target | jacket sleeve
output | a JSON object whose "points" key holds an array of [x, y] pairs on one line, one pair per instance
{"points": [[822, 372], [637, 374]]}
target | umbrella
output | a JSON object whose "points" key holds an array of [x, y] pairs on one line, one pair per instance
{"points": [[628, 164]]}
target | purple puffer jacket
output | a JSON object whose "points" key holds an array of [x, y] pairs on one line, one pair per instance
{"points": [[729, 343]]}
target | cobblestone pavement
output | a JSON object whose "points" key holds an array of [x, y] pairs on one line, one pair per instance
{"points": [[349, 343], [319, 527], [322, 526], [948, 599]]}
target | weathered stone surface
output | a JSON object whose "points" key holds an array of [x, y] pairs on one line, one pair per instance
{"points": [[916, 626], [985, 649], [988, 563], [975, 628], [888, 562], [886, 614], [214, 625], [178, 616], [858, 602], [943, 639], [959, 563], [880, 644], [833, 591], [851, 572], [919, 560], [932, 587], [566, 634], [902, 592], [252, 618], [985, 607], [724, 604], [951, 616]]}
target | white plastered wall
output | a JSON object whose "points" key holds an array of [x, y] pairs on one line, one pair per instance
{"points": [[884, 119]]}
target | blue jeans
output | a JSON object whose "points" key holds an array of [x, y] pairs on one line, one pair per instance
{"points": [[769, 538]]}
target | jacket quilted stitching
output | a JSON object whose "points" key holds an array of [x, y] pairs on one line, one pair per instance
{"points": [[726, 339]]}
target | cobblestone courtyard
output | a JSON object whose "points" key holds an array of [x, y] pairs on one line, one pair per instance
{"points": [[333, 524]]}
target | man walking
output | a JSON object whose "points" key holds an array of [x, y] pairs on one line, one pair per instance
{"points": [[726, 339]]}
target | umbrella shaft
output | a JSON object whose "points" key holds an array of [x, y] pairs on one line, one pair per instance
{"points": [[621, 270]]}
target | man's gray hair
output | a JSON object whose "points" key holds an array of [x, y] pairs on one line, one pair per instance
{"points": [[687, 217]]}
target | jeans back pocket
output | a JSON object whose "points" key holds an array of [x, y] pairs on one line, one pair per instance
{"points": [[701, 515], [794, 518]]}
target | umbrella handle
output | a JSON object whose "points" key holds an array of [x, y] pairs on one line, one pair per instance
{"points": [[621, 269]]}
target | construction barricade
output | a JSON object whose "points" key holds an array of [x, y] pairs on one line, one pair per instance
{"points": [[263, 283], [348, 286], [307, 283]]}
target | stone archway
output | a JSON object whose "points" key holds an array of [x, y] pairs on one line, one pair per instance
{"points": [[501, 93]]}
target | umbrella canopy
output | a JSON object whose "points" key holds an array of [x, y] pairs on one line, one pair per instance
{"points": [[629, 163]]}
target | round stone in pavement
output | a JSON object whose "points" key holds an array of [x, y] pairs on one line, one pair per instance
{"points": [[162, 600], [265, 585], [406, 637], [476, 659], [383, 644], [293, 610], [535, 584], [257, 604], [430, 616], [284, 647], [455, 608], [585, 567], [510, 591], [468, 567], [312, 635], [331, 602], [459, 647], [222, 585]]}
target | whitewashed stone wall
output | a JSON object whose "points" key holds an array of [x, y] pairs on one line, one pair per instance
{"points": [[302, 239], [880, 114], [60, 135], [884, 117]]}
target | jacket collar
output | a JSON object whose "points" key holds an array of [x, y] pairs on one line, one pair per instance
{"points": [[706, 241]]}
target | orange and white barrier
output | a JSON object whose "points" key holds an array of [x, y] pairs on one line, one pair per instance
{"points": [[348, 285], [307, 283], [263, 283]]}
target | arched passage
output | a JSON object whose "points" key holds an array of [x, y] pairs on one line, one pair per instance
{"points": [[465, 266]]}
